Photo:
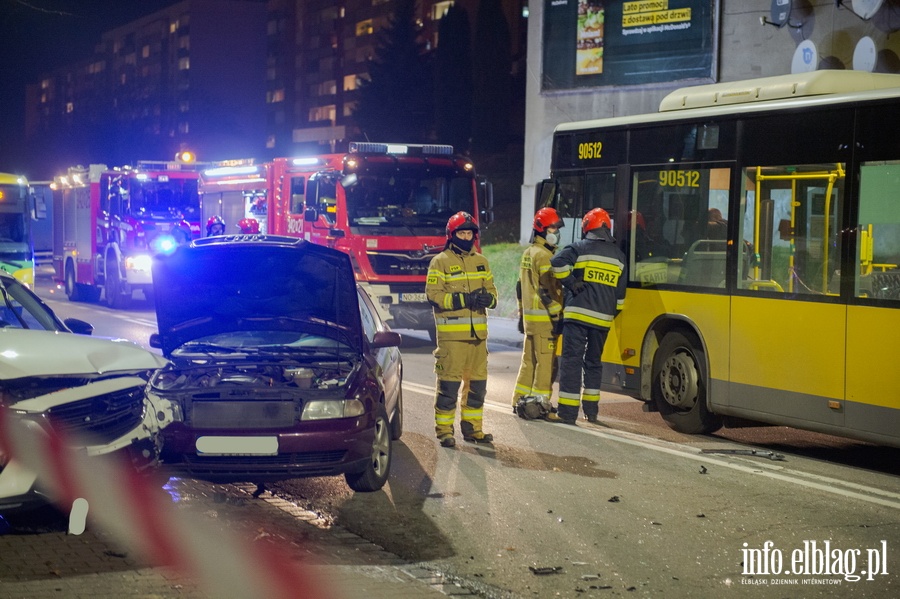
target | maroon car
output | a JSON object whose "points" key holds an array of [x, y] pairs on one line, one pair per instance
{"points": [[280, 366]]}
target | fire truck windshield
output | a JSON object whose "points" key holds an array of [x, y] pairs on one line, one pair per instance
{"points": [[165, 199], [408, 203]]}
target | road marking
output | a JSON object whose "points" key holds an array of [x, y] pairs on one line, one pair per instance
{"points": [[826, 484]]}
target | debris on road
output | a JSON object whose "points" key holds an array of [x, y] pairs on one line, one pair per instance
{"points": [[750, 452], [545, 570]]}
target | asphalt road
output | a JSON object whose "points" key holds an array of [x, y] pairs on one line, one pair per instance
{"points": [[627, 507]]}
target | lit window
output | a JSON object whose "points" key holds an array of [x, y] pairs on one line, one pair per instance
{"points": [[349, 83], [278, 95], [439, 9], [364, 28], [184, 63], [145, 52]]}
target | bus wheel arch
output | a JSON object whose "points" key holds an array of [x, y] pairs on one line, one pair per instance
{"points": [[679, 381]]}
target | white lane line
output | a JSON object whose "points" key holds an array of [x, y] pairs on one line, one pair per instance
{"points": [[826, 484]]}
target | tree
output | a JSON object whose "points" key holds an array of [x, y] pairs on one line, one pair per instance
{"points": [[395, 103], [493, 80], [453, 80]]}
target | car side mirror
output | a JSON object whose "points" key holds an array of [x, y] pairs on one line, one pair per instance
{"points": [[155, 341], [386, 339], [78, 326]]}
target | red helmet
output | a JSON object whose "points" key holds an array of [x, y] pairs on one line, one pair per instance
{"points": [[638, 218], [546, 217], [595, 219], [249, 226], [215, 220], [460, 222]]}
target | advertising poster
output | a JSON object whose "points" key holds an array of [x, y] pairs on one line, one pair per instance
{"points": [[595, 43]]}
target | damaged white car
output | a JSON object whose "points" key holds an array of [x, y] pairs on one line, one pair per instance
{"points": [[90, 389]]}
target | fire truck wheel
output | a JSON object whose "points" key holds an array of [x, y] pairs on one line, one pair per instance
{"points": [[115, 298], [73, 289]]}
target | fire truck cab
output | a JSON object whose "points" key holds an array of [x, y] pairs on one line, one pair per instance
{"points": [[108, 222], [387, 206]]}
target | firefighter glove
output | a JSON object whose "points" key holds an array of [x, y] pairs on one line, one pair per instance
{"points": [[557, 326], [480, 299], [545, 297]]}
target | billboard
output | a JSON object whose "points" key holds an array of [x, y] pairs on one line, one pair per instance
{"points": [[596, 43]]}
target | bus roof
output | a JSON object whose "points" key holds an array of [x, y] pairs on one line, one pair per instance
{"points": [[756, 95], [10, 179]]}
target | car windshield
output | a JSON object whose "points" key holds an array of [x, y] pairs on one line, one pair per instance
{"points": [[21, 309], [408, 200]]}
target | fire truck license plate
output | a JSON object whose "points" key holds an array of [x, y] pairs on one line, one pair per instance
{"points": [[413, 297]]}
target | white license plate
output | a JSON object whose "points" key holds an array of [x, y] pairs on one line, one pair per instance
{"points": [[210, 445], [413, 297]]}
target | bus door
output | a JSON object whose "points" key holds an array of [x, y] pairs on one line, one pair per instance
{"points": [[873, 316], [788, 325]]}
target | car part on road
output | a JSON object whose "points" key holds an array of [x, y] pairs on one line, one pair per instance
{"points": [[750, 452]]}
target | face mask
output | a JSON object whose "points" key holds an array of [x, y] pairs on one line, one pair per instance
{"points": [[463, 244], [552, 238]]}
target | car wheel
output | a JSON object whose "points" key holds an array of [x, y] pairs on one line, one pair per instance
{"points": [[115, 298], [397, 418], [376, 471], [680, 385]]}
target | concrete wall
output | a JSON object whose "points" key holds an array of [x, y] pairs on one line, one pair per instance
{"points": [[747, 49]]}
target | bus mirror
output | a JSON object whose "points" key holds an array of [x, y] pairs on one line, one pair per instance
{"points": [[545, 194], [309, 215]]}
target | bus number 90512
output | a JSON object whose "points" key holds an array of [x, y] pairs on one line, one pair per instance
{"points": [[679, 178], [589, 150]]}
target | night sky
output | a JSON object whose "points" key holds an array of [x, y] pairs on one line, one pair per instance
{"points": [[38, 35]]}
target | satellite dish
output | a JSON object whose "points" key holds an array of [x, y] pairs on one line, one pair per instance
{"points": [[865, 9], [806, 58], [780, 12], [864, 55]]}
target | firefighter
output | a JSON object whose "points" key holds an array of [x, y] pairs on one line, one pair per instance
{"points": [[215, 226], [592, 271], [460, 287], [539, 295], [249, 226]]}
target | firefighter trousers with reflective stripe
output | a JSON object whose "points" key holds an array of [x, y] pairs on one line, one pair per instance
{"points": [[457, 362], [580, 369], [537, 368]]}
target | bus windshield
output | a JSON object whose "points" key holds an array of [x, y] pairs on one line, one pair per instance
{"points": [[408, 201], [13, 224]]}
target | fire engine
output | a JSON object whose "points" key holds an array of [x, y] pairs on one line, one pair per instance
{"points": [[386, 205], [109, 221]]}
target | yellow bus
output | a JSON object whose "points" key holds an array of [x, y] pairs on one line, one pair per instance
{"points": [[16, 248], [761, 220]]}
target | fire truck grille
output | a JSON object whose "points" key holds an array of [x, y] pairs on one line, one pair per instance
{"points": [[103, 418], [400, 263]]}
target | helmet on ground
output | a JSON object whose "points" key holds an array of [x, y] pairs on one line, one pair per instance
{"points": [[461, 221], [249, 226], [595, 219], [546, 217], [533, 407], [212, 222]]}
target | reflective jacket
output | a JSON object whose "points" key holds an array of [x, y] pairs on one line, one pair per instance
{"points": [[600, 264], [451, 276], [535, 275]]}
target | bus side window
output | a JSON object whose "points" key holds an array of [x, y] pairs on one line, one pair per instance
{"points": [[878, 239], [298, 194]]}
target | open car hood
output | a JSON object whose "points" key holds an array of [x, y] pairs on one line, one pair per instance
{"points": [[29, 353], [255, 283]]}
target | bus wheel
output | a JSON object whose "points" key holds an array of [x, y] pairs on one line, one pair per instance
{"points": [[115, 298], [72, 288], [680, 385]]}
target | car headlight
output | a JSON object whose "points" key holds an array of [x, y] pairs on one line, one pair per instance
{"points": [[330, 408]]}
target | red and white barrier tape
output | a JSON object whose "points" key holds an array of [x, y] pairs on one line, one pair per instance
{"points": [[139, 517]]}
